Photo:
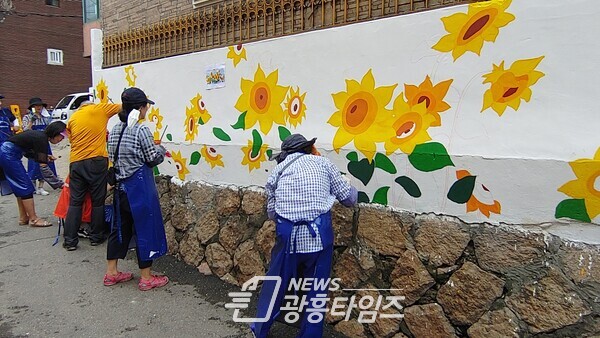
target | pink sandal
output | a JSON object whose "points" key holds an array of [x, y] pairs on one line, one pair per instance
{"points": [[121, 277], [155, 282]]}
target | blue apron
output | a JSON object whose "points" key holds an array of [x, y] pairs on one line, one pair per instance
{"points": [[285, 263], [13, 177], [147, 217]]}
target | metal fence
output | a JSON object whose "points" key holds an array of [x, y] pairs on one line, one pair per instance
{"points": [[232, 22]]}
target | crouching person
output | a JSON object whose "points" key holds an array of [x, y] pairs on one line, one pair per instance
{"points": [[135, 200], [301, 191]]}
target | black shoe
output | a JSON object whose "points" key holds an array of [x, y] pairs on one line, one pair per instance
{"points": [[82, 233], [69, 247], [96, 243]]}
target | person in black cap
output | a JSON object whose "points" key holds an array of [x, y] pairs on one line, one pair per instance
{"points": [[87, 171], [32, 144], [37, 118], [301, 191], [136, 205], [8, 122]]}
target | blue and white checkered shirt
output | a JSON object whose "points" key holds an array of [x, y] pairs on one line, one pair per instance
{"points": [[137, 148], [305, 190]]}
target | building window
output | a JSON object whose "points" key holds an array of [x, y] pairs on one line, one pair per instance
{"points": [[54, 3], [91, 10], [55, 57]]}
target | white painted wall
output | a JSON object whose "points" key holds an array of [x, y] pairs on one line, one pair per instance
{"points": [[522, 157]]}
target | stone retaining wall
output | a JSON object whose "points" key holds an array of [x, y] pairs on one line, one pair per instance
{"points": [[458, 279]]}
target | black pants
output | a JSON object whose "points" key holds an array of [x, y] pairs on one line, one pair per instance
{"points": [[87, 175], [116, 249]]}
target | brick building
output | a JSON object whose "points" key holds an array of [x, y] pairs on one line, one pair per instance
{"points": [[42, 50]]}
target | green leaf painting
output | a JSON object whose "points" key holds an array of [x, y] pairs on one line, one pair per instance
{"points": [[352, 156], [256, 143], [409, 186], [200, 121], [363, 197], [283, 133], [156, 171], [220, 134], [269, 153], [363, 170], [384, 163], [195, 158], [241, 122], [381, 196], [430, 157], [461, 191], [169, 137], [573, 209]]}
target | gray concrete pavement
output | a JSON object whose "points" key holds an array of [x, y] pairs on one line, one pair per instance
{"points": [[46, 291]]}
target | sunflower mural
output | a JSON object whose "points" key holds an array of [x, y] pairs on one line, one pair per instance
{"points": [[102, 91], [585, 191], [130, 76], [155, 117], [261, 101], [480, 198], [199, 109], [295, 109], [409, 125], [195, 115], [432, 96], [468, 31], [191, 124], [180, 164], [212, 157], [255, 153], [236, 54], [361, 115], [510, 86]]}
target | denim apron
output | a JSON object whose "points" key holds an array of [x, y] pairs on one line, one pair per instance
{"points": [[284, 264], [143, 199]]}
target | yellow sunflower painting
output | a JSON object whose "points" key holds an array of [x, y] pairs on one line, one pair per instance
{"points": [[180, 161], [261, 99], [155, 117], [199, 109], [191, 124], [254, 162], [587, 184], [409, 126], [481, 199], [156, 135], [361, 115], [510, 86], [130, 76], [236, 54], [211, 156], [433, 96], [295, 108], [468, 32], [102, 91]]}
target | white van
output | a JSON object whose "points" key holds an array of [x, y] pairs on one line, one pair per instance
{"points": [[68, 104]]}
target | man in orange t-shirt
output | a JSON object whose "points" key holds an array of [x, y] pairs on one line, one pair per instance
{"points": [[87, 171]]}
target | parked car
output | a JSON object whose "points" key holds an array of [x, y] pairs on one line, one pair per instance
{"points": [[69, 104]]}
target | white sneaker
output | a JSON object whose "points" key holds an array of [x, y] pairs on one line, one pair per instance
{"points": [[42, 192]]}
